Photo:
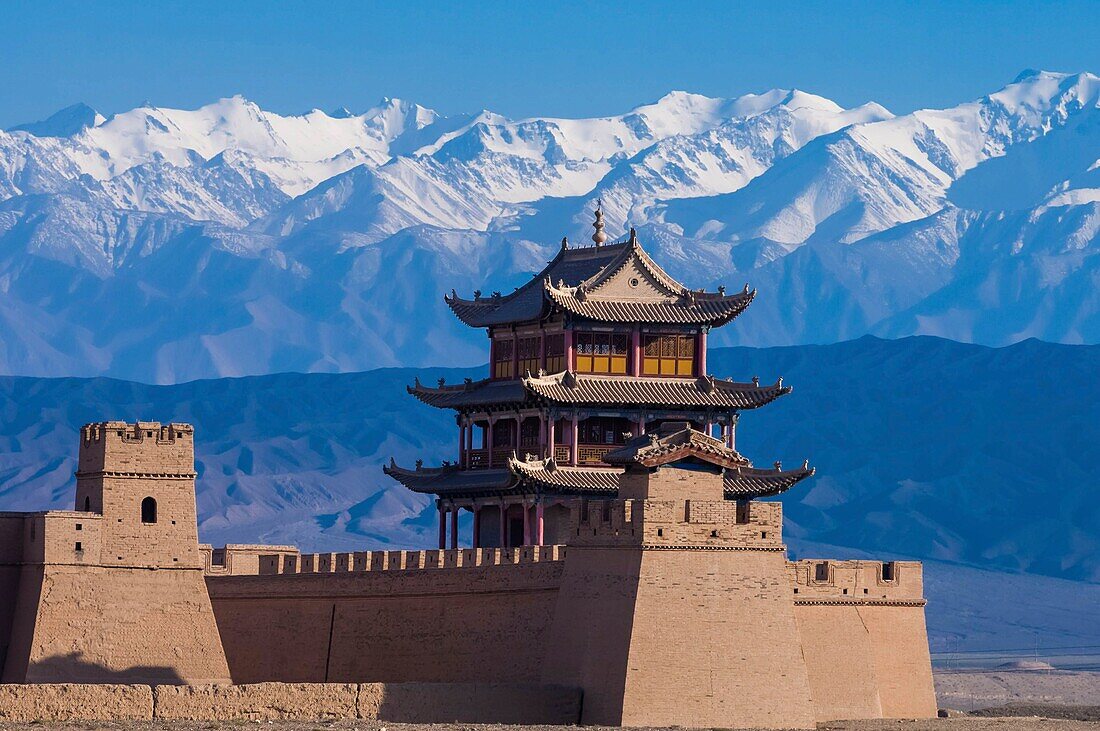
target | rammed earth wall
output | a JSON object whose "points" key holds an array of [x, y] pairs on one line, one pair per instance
{"points": [[393, 702]]}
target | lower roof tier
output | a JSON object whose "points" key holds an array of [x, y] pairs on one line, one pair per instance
{"points": [[546, 477], [568, 388]]}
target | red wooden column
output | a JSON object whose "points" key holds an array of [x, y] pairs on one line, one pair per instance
{"points": [[542, 436], [462, 441], [477, 526], [469, 443], [454, 526], [489, 443], [573, 450], [636, 351], [503, 525], [702, 354], [442, 525], [526, 524], [550, 436], [569, 360], [539, 523]]}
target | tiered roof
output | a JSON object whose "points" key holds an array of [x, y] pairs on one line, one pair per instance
{"points": [[612, 283], [740, 479], [569, 388]]}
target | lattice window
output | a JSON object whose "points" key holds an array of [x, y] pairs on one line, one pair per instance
{"points": [[504, 434], [602, 352], [668, 355], [555, 353], [603, 430], [529, 433], [528, 356], [502, 359]]}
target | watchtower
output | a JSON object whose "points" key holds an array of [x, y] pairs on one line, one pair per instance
{"points": [[141, 478]]}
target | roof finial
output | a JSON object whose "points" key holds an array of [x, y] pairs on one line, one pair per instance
{"points": [[564, 243], [599, 237], [633, 237]]}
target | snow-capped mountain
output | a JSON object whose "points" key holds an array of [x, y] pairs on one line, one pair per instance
{"points": [[162, 244]]}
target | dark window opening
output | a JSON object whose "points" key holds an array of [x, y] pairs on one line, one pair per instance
{"points": [[87, 504], [888, 571], [742, 511], [821, 571], [79, 526], [79, 546], [148, 510]]}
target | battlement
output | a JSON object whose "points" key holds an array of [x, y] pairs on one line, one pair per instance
{"points": [[819, 581], [703, 524], [241, 560], [143, 448]]}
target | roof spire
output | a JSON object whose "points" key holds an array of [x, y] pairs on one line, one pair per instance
{"points": [[599, 237]]}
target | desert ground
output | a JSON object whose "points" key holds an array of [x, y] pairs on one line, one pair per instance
{"points": [[965, 723]]}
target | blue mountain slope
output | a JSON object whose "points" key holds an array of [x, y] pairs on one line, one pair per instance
{"points": [[924, 447]]}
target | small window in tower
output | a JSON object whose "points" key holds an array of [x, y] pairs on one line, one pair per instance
{"points": [[148, 510], [889, 572], [80, 526], [821, 571], [79, 546]]}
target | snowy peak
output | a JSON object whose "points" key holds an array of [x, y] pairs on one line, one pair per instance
{"points": [[64, 123]]}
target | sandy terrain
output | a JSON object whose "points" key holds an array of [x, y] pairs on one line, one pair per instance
{"points": [[967, 723]]}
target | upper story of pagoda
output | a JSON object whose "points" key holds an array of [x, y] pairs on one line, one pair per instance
{"points": [[607, 309]]}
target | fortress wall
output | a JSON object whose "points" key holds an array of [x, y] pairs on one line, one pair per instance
{"points": [[433, 624], [731, 655], [899, 646], [11, 555], [74, 702], [864, 638], [837, 648], [98, 624]]}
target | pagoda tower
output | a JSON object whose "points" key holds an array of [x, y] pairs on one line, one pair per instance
{"points": [[599, 348]]}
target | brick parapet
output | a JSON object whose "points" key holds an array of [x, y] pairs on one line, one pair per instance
{"points": [[821, 581], [678, 524], [244, 560]]}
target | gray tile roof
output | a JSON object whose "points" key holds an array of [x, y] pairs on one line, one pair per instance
{"points": [[570, 388]]}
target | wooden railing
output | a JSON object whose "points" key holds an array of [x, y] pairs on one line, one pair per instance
{"points": [[592, 454], [561, 453]]}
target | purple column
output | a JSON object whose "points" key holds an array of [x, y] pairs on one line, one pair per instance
{"points": [[526, 524], [550, 437], [573, 450], [702, 355], [454, 526], [469, 442], [636, 351], [542, 435], [442, 526], [539, 524], [569, 350], [489, 444], [503, 525], [477, 526]]}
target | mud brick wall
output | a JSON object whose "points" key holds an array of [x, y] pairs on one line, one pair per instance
{"points": [[471, 623]]}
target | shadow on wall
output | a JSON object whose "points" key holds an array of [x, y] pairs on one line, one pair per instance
{"points": [[74, 668]]}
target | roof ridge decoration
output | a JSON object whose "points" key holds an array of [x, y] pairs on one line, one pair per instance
{"points": [[675, 443]]}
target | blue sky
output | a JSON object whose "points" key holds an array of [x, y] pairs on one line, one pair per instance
{"points": [[524, 58]]}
